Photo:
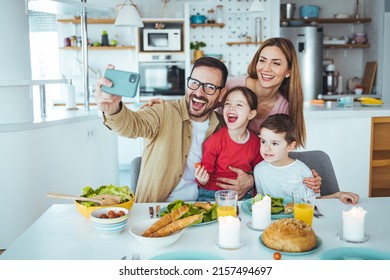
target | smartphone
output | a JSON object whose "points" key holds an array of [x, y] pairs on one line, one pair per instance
{"points": [[123, 83]]}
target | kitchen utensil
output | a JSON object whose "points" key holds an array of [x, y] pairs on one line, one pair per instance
{"points": [[103, 199], [198, 19], [287, 10], [317, 212], [369, 76], [158, 211], [307, 11], [330, 79]]}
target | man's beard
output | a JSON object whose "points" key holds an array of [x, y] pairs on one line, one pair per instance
{"points": [[205, 111]]}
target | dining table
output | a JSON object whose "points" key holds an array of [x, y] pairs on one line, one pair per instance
{"points": [[62, 233]]}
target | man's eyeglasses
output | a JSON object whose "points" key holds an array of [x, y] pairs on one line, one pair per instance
{"points": [[209, 89]]}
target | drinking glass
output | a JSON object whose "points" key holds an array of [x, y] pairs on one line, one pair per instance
{"points": [[304, 206], [226, 203]]}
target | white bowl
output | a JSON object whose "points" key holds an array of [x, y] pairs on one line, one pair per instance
{"points": [[95, 215], [106, 226], [139, 228]]}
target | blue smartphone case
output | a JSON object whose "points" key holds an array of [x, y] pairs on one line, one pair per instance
{"points": [[123, 83]]}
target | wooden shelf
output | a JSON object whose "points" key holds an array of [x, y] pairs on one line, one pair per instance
{"points": [[330, 20], [243, 43], [101, 48], [380, 158], [221, 25], [90, 20], [346, 46]]}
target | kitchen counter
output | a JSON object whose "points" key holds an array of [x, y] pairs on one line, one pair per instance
{"points": [[56, 116], [331, 110]]}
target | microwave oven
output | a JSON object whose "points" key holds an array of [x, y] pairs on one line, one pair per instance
{"points": [[161, 40]]}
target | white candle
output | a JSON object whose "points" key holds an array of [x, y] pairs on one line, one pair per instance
{"points": [[261, 213], [353, 224], [229, 232]]}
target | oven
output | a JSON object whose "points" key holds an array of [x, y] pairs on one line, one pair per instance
{"points": [[161, 74]]}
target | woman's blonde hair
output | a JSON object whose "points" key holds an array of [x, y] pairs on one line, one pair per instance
{"points": [[291, 87]]}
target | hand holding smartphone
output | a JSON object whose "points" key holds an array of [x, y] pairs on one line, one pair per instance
{"points": [[124, 83]]}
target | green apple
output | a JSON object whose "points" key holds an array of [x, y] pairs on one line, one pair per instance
{"points": [[97, 44], [104, 32], [113, 43]]}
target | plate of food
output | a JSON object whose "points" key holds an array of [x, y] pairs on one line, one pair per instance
{"points": [[208, 211], [290, 237], [281, 207]]}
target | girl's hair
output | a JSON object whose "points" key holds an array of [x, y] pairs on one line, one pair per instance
{"points": [[248, 93], [281, 123], [291, 87]]}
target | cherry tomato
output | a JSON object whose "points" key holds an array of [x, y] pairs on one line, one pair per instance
{"points": [[103, 216], [121, 213], [111, 212], [277, 256], [197, 164]]}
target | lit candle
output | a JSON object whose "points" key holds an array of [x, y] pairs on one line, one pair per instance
{"points": [[353, 224], [261, 213], [229, 232]]}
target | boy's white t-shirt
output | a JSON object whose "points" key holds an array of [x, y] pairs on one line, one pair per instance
{"points": [[187, 188], [281, 181]]}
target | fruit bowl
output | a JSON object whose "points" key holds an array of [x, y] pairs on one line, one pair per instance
{"points": [[109, 226], [86, 211]]}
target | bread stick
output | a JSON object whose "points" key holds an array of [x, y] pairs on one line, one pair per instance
{"points": [[166, 219], [176, 225], [204, 205]]}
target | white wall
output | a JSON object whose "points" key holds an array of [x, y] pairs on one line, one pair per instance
{"points": [[59, 158]]}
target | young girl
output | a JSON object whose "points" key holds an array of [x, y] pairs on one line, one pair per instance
{"points": [[232, 146]]}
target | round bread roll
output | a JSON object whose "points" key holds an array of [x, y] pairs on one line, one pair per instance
{"points": [[289, 235]]}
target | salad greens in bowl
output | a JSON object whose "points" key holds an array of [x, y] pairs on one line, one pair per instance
{"points": [[87, 207]]}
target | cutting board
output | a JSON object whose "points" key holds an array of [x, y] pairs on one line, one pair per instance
{"points": [[369, 76]]}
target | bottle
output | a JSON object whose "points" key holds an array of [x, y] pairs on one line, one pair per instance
{"points": [[210, 16], [71, 96], [258, 29], [219, 16]]}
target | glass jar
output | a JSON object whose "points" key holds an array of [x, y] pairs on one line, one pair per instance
{"points": [[219, 14], [211, 16]]}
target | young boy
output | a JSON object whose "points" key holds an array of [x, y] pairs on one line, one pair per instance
{"points": [[279, 175]]}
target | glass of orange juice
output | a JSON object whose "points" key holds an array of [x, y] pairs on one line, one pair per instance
{"points": [[304, 206], [226, 203]]}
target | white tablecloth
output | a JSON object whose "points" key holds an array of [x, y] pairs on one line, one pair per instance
{"points": [[62, 233]]}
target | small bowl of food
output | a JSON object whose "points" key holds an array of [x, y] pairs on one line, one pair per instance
{"points": [[138, 230], [110, 220], [123, 195]]}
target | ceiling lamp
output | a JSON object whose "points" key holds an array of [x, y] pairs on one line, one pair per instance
{"points": [[129, 16], [257, 6]]}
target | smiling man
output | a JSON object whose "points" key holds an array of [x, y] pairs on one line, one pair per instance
{"points": [[174, 133]]}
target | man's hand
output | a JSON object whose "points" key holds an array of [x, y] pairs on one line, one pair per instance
{"points": [[313, 183], [242, 184], [107, 103]]}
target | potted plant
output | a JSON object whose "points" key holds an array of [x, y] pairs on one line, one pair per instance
{"points": [[196, 46]]}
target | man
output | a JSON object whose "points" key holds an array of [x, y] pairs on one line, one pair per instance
{"points": [[174, 133]]}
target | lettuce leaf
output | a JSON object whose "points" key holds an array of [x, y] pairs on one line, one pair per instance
{"points": [[208, 216], [123, 191]]}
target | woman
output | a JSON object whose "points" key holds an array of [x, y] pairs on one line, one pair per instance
{"points": [[273, 74]]}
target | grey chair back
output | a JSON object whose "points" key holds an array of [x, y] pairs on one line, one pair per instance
{"points": [[317, 160], [135, 167], [320, 162]]}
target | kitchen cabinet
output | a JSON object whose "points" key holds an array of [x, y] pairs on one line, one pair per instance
{"points": [[380, 157]]}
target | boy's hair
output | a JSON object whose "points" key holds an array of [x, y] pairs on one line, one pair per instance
{"points": [[281, 123], [248, 93]]}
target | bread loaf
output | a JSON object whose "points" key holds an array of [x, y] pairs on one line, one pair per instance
{"points": [[289, 235]]}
